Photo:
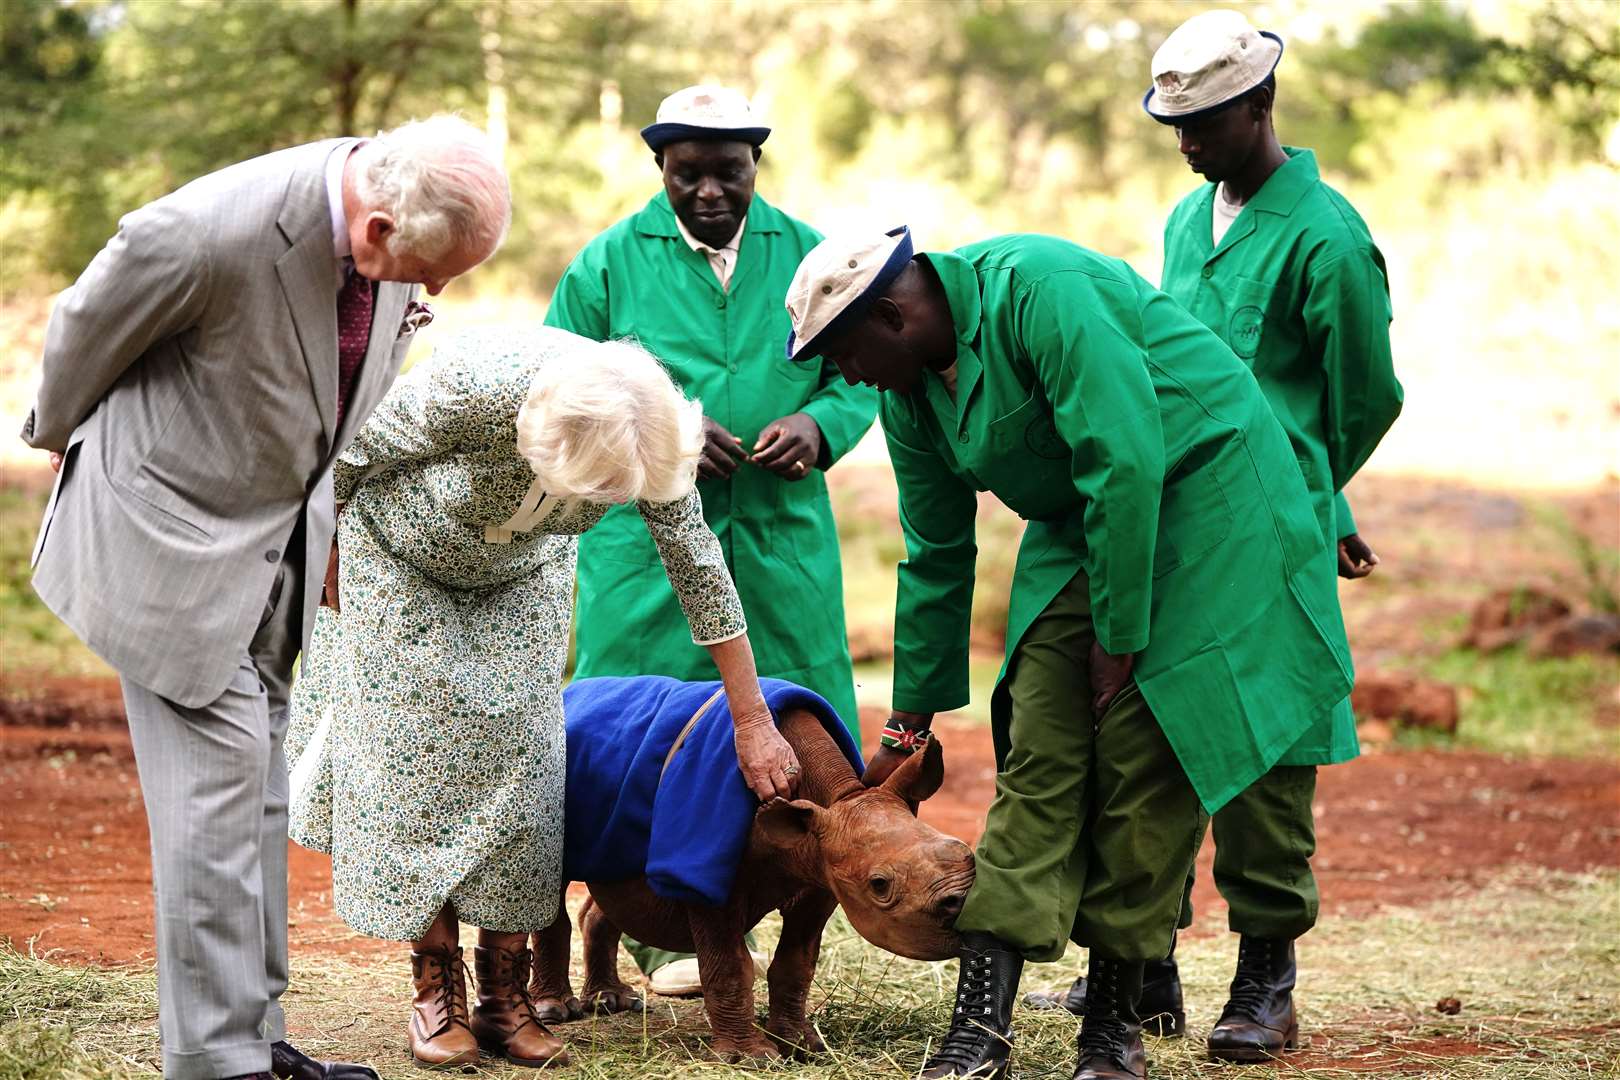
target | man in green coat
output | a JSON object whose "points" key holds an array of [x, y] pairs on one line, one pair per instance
{"points": [[1284, 270], [1163, 647], [697, 276]]}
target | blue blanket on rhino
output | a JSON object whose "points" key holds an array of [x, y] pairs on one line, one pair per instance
{"points": [[688, 832]]}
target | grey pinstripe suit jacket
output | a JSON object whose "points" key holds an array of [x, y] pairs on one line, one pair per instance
{"points": [[190, 378]]}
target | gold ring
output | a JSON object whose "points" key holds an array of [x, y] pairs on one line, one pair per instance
{"points": [[799, 465], [791, 770]]}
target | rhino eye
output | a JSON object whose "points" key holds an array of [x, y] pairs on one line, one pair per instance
{"points": [[879, 886]]}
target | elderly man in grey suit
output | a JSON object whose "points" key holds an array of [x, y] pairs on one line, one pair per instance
{"points": [[199, 378]]}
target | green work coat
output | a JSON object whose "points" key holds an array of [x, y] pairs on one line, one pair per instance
{"points": [[640, 279], [1299, 291], [1142, 452]]}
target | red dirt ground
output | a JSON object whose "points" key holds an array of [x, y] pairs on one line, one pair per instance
{"points": [[1394, 828]]}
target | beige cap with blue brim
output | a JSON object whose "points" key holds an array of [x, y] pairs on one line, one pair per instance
{"points": [[837, 282], [1206, 63], [707, 113]]}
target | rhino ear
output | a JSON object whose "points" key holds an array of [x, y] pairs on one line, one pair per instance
{"points": [[787, 825], [920, 776]]}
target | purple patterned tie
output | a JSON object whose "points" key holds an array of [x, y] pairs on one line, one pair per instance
{"points": [[354, 333]]}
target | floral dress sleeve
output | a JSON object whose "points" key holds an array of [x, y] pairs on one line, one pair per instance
{"points": [[427, 413], [696, 569]]}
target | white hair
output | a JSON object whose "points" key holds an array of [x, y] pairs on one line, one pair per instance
{"points": [[605, 423], [442, 181]]}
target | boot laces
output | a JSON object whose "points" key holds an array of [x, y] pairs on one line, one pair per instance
{"points": [[973, 1021], [1103, 1032], [450, 992], [511, 972], [1251, 986]]}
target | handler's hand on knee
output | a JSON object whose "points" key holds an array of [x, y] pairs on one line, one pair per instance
{"points": [[768, 763], [1109, 676]]}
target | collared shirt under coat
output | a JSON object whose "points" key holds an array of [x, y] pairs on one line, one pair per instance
{"points": [[727, 348], [1299, 291]]}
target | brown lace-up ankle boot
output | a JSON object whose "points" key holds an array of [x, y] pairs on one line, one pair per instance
{"points": [[504, 1022], [440, 1034]]}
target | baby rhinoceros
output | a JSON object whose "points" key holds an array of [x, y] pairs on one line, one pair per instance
{"points": [[900, 881]]}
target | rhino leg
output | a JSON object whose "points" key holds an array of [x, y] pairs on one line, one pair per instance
{"points": [[549, 987], [728, 983], [792, 970], [605, 992]]}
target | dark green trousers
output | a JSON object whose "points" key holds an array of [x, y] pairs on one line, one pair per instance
{"points": [[1264, 840], [1094, 825]]}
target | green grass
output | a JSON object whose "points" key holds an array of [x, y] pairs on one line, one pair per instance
{"points": [[34, 639], [1513, 703], [1533, 958]]}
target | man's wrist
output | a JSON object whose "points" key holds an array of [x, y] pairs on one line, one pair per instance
{"points": [[907, 735]]}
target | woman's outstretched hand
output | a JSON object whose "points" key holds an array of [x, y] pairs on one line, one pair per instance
{"points": [[768, 763]]}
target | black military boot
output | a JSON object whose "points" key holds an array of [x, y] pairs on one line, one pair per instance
{"points": [[1258, 1022], [979, 1043], [1111, 1034], [1161, 1008]]}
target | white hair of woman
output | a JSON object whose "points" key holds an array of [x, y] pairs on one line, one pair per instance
{"points": [[608, 425], [442, 181]]}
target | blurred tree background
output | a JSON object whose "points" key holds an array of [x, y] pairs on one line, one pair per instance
{"points": [[966, 116]]}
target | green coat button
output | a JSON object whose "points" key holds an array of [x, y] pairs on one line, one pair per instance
{"points": [[1209, 271], [963, 437], [732, 367], [720, 300]]}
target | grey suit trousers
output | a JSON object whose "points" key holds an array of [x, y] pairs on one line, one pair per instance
{"points": [[215, 784]]}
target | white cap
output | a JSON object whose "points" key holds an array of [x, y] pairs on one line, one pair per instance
{"points": [[1209, 60], [837, 282], [704, 112]]}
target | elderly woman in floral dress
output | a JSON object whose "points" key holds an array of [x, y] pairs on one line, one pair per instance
{"points": [[427, 733]]}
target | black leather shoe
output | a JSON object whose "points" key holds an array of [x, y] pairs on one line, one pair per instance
{"points": [[1161, 1008], [1110, 1041], [1258, 1023], [289, 1064], [979, 1043]]}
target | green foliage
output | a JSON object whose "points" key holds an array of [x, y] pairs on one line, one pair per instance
{"points": [[34, 639], [1026, 114], [1513, 703], [1597, 566]]}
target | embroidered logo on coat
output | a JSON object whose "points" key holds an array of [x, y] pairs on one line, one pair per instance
{"points": [[1244, 335], [1042, 440]]}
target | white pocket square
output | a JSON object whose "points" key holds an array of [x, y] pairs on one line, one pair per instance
{"points": [[417, 315]]}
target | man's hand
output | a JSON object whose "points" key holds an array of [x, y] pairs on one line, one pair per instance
{"points": [[885, 761], [56, 461], [789, 447], [329, 591], [722, 452], [887, 758], [1356, 559], [1109, 676]]}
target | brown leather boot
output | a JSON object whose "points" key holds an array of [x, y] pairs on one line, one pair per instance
{"points": [[504, 1021], [440, 1034]]}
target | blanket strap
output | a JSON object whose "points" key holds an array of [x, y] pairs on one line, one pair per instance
{"points": [[687, 730]]}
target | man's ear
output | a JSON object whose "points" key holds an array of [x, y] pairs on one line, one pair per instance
{"points": [[1260, 102], [379, 226], [788, 826], [920, 775], [887, 312], [658, 156]]}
